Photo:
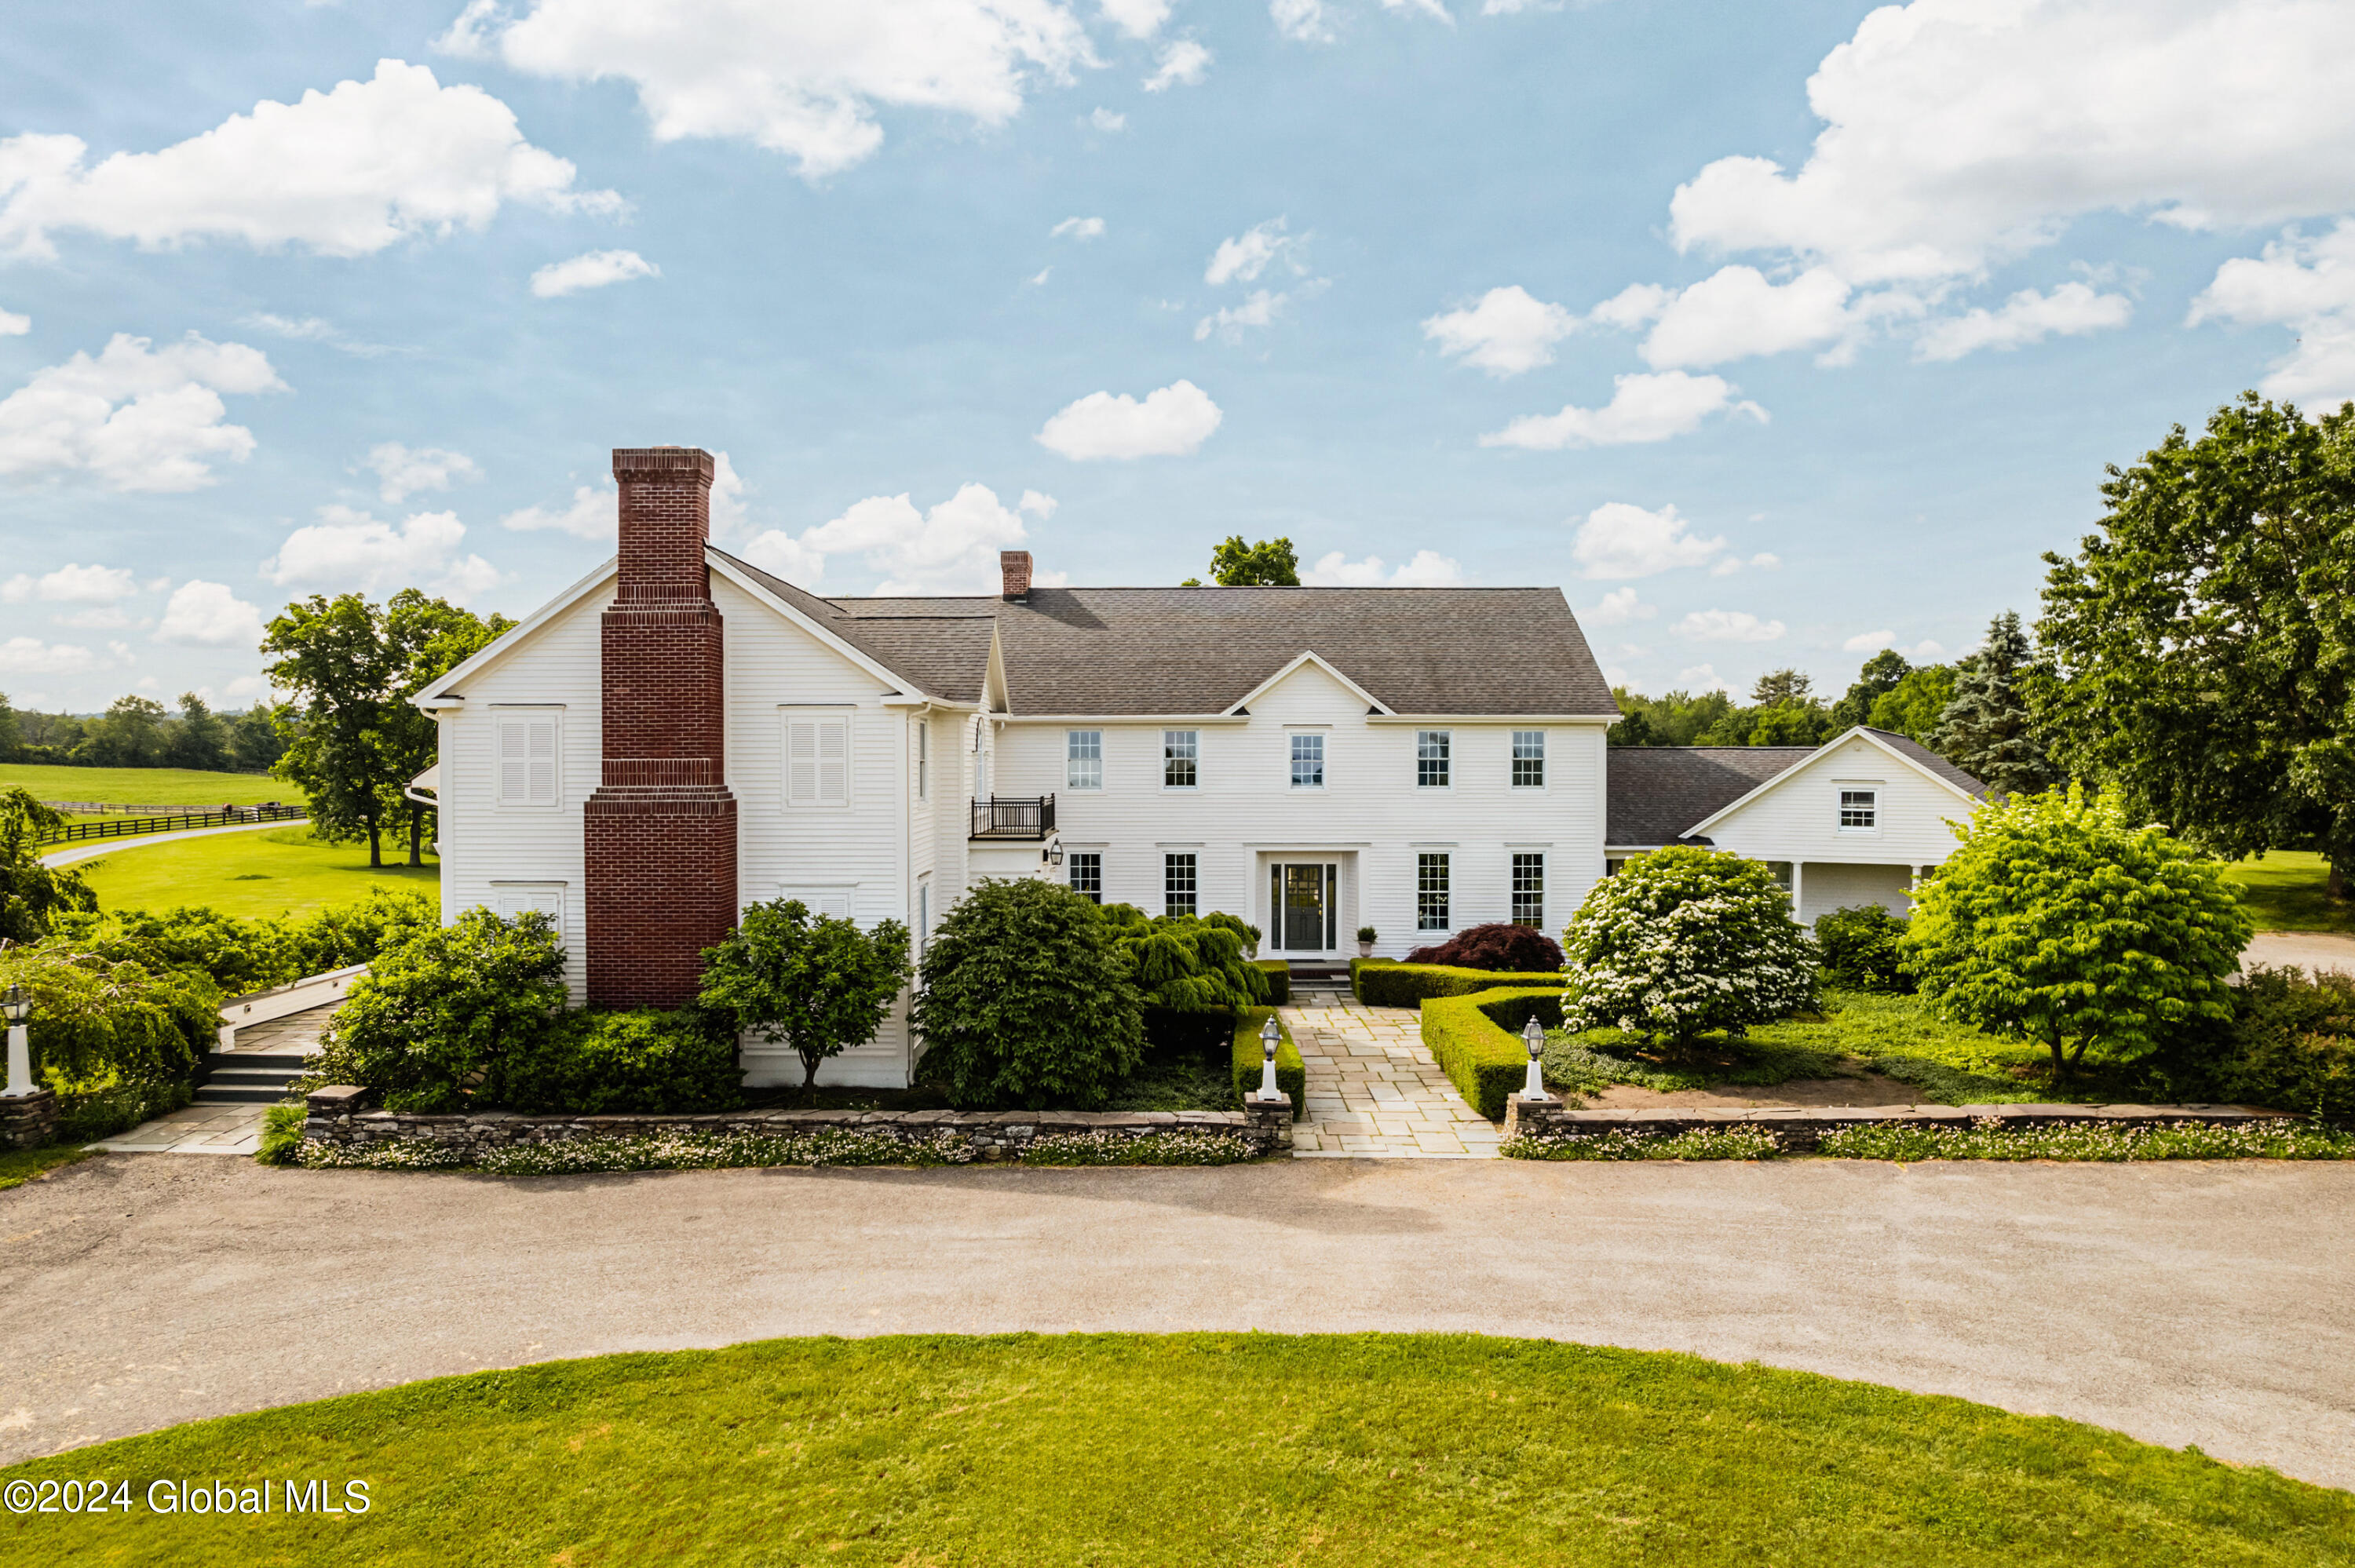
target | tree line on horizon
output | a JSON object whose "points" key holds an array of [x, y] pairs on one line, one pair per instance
{"points": [[140, 732]]}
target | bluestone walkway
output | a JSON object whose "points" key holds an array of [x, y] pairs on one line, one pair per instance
{"points": [[1373, 1090]]}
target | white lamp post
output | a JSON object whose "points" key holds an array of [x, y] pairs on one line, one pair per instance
{"points": [[1534, 1038], [1267, 1039], [15, 1004]]}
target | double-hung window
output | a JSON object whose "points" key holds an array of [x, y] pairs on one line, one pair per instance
{"points": [[1529, 890], [1432, 748], [1431, 912], [1086, 869], [1308, 762], [528, 759], [1529, 759], [1178, 883], [1083, 759], [1181, 758], [1859, 811], [818, 759], [923, 759]]}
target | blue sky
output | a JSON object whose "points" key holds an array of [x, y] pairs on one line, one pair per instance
{"points": [[1773, 334]]}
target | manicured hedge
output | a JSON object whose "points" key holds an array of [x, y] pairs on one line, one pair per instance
{"points": [[1290, 1073], [1476, 1041], [1279, 979], [1386, 982]]}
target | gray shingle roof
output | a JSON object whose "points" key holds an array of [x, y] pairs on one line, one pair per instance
{"points": [[1930, 760], [1658, 792], [1113, 650]]}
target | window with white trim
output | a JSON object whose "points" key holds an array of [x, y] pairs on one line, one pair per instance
{"points": [[1083, 759], [1086, 867], [1432, 760], [839, 902], [1308, 762], [1179, 882], [1430, 911], [923, 915], [509, 899], [1181, 758], [528, 753], [1529, 890], [818, 759], [923, 759], [1859, 811], [1529, 759]]}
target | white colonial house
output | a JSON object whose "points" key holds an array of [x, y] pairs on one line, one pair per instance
{"points": [[680, 734]]}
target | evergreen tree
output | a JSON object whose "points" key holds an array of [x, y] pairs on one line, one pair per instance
{"points": [[1986, 730]]}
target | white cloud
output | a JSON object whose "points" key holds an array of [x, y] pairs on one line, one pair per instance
{"points": [[1037, 504], [593, 269], [2306, 283], [1172, 423], [1621, 540], [1736, 313], [1507, 333], [14, 325], [1431, 9], [803, 79], [316, 329], [728, 509], [351, 550], [1632, 306], [1869, 642], [1246, 256], [137, 419], [1258, 310], [1429, 568], [952, 548], [1108, 122], [1959, 132], [1728, 626], [1182, 63], [1619, 607], [1642, 408], [1302, 21], [208, 615], [111, 617], [70, 584], [2071, 309], [1078, 229], [1702, 678], [30, 656], [345, 173], [403, 472], [1137, 19], [594, 515], [1733, 564]]}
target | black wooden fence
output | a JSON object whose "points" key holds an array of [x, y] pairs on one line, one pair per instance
{"points": [[136, 827]]}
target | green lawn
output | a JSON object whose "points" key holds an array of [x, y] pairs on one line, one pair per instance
{"points": [[148, 786], [2286, 891], [18, 1165], [270, 870], [1201, 1448]]}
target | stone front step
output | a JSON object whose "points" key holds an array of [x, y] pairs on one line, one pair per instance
{"points": [[249, 1078]]}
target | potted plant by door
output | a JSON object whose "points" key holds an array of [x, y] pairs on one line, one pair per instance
{"points": [[1366, 942]]}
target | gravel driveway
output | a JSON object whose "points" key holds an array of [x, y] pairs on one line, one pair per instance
{"points": [[2182, 1303]]}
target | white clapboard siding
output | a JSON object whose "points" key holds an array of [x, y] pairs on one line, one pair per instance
{"points": [[1798, 818]]}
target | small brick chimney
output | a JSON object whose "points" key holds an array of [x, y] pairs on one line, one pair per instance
{"points": [[1014, 572], [659, 835]]}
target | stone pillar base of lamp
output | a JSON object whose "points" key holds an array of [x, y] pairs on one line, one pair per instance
{"points": [[28, 1121]]}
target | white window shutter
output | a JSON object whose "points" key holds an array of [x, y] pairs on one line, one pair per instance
{"points": [[801, 762], [541, 764], [514, 770], [833, 761]]}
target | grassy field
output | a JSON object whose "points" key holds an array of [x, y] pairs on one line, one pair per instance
{"points": [[1203, 1448], [2287, 890], [267, 872], [148, 786]]}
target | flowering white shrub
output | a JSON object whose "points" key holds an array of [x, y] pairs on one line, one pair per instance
{"points": [[1683, 941]]}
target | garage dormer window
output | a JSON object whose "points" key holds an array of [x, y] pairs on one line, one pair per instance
{"points": [[1859, 811]]}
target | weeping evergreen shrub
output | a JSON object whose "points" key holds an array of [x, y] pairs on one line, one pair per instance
{"points": [[1191, 973]]}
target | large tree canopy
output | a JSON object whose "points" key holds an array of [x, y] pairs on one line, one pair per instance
{"points": [[2202, 642]]}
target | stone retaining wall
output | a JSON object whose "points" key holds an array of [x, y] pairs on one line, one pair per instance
{"points": [[28, 1121], [338, 1116], [1800, 1128]]}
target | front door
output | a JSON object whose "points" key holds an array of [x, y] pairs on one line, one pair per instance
{"points": [[1303, 905]]}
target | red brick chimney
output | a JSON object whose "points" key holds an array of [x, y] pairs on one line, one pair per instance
{"points": [[1014, 573], [659, 835]]}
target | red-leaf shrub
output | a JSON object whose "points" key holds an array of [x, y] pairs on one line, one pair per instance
{"points": [[1510, 949]]}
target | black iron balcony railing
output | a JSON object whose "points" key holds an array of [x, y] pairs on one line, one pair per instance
{"points": [[1020, 817]]}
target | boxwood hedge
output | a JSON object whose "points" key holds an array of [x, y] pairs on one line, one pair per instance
{"points": [[1476, 1040], [1291, 1073], [1386, 982]]}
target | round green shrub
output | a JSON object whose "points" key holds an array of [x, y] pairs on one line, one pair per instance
{"points": [[1682, 942], [1861, 950], [1027, 999]]}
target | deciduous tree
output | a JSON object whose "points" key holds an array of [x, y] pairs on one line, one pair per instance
{"points": [[31, 895], [815, 984], [333, 658], [1268, 562]]}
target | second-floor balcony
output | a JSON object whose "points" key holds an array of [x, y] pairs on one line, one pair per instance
{"points": [[1014, 817]]}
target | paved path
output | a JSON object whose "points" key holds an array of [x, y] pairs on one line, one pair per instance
{"points": [[2308, 949], [1373, 1089], [2182, 1303], [194, 1130], [79, 852]]}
